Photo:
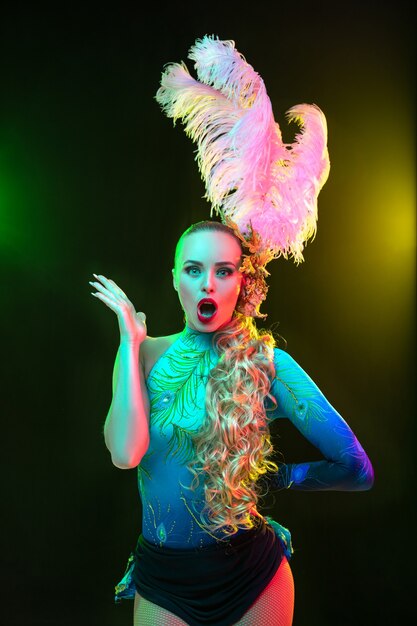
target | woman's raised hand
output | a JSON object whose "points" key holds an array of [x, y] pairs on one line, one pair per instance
{"points": [[132, 325]]}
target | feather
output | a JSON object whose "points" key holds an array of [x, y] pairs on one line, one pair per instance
{"points": [[250, 175]]}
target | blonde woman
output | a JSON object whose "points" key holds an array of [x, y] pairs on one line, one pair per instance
{"points": [[191, 412]]}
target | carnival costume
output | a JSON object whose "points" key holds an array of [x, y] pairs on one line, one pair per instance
{"points": [[201, 576]]}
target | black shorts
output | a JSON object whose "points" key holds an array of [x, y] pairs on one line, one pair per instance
{"points": [[213, 585]]}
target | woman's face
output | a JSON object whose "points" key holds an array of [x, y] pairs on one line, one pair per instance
{"points": [[207, 278]]}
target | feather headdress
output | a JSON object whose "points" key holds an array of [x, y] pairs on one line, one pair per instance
{"points": [[261, 186]]}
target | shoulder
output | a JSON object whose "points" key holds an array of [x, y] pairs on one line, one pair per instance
{"points": [[152, 348], [287, 369], [283, 359], [289, 374]]}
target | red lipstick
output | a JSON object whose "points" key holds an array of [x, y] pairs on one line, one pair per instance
{"points": [[206, 310]]}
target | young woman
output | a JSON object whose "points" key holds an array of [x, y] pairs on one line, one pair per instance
{"points": [[191, 411]]}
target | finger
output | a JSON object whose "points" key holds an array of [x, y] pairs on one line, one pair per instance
{"points": [[118, 288], [111, 285], [103, 290], [109, 301]]}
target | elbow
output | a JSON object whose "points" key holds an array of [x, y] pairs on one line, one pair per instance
{"points": [[363, 476], [128, 459], [369, 480], [123, 464], [123, 455]]}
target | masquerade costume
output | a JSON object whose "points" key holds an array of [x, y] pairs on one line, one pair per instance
{"points": [[266, 191], [174, 564]]}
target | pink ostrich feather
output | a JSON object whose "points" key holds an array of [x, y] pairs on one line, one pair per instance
{"points": [[250, 175]]}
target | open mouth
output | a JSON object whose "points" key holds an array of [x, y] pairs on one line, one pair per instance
{"points": [[206, 310]]}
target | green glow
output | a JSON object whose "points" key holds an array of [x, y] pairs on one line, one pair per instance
{"points": [[26, 234]]}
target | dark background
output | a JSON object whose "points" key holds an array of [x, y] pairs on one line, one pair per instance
{"points": [[93, 178]]}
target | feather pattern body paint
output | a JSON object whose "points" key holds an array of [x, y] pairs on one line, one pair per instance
{"points": [[251, 176]]}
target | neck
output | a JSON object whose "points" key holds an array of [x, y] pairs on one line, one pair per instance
{"points": [[198, 339]]}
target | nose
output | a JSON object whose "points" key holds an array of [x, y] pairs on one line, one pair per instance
{"points": [[208, 283]]}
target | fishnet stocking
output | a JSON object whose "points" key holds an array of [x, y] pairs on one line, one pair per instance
{"points": [[275, 604], [273, 607], [147, 613]]}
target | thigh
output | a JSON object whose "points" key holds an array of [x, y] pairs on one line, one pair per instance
{"points": [[275, 605], [147, 613]]}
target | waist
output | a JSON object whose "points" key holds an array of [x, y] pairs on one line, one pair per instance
{"points": [[181, 528], [203, 542]]}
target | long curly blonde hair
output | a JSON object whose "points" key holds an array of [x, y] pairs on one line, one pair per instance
{"points": [[233, 446]]}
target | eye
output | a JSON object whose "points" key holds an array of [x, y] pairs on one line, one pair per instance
{"points": [[225, 271], [193, 270]]}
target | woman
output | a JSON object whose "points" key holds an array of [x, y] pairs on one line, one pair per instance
{"points": [[191, 411]]}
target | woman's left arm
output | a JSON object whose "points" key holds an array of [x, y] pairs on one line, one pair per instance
{"points": [[346, 465]]}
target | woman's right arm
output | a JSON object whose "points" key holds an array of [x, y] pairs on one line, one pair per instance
{"points": [[126, 429]]}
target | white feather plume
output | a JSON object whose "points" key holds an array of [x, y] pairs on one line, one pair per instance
{"points": [[250, 175]]}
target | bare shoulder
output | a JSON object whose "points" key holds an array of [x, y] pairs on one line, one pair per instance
{"points": [[152, 348]]}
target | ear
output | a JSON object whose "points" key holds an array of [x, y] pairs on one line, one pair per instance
{"points": [[173, 280]]}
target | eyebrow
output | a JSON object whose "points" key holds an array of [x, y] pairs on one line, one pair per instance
{"points": [[216, 264]]}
